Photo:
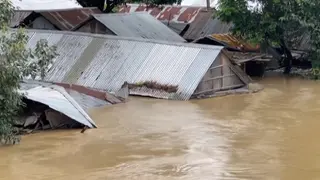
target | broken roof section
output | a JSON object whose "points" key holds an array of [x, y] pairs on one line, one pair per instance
{"points": [[106, 62], [140, 25], [229, 41], [57, 98], [65, 19], [201, 22]]}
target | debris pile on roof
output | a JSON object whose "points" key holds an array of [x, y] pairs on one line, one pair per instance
{"points": [[229, 41], [155, 86]]}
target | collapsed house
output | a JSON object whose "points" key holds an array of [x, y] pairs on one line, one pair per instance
{"points": [[173, 70], [50, 106]]}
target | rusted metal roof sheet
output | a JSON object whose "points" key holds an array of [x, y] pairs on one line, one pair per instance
{"points": [[106, 62], [233, 42], [138, 24], [66, 19], [201, 21], [180, 14]]}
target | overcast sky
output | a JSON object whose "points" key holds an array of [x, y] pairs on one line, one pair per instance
{"points": [[64, 4]]}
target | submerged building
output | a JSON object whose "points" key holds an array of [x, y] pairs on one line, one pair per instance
{"points": [[154, 68]]}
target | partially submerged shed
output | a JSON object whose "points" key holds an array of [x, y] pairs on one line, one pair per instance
{"points": [[137, 25], [55, 106], [58, 105], [249, 57], [106, 62]]}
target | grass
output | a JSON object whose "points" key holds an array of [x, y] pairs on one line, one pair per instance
{"points": [[155, 85]]}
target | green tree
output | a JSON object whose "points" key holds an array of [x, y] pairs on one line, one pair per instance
{"points": [[270, 22], [16, 61], [309, 17]]}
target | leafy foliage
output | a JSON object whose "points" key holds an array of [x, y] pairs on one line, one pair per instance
{"points": [[274, 22], [16, 62]]}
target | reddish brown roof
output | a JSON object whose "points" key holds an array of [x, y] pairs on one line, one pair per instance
{"points": [[201, 21], [181, 14], [67, 19]]}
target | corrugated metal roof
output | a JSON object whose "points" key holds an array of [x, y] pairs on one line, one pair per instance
{"points": [[58, 99], [105, 62], [140, 25], [65, 19], [201, 21], [178, 14], [18, 17], [69, 19], [85, 101], [176, 27]]}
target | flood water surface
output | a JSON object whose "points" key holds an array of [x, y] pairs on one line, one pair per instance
{"points": [[273, 134]]}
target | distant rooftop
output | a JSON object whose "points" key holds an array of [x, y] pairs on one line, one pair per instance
{"points": [[138, 24], [63, 19]]}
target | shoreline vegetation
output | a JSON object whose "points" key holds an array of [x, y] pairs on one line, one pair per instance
{"points": [[305, 73]]}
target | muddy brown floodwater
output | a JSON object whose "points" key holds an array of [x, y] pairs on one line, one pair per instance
{"points": [[273, 134]]}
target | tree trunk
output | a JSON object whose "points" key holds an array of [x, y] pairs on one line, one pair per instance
{"points": [[288, 57]]}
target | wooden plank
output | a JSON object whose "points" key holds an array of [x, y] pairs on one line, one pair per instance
{"points": [[218, 77], [222, 89], [216, 67], [242, 75]]}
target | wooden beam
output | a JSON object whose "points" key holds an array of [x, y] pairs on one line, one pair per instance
{"points": [[219, 77], [221, 89], [216, 67]]}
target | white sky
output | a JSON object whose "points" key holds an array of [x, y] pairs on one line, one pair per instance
{"points": [[67, 4], [198, 3], [44, 4]]}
